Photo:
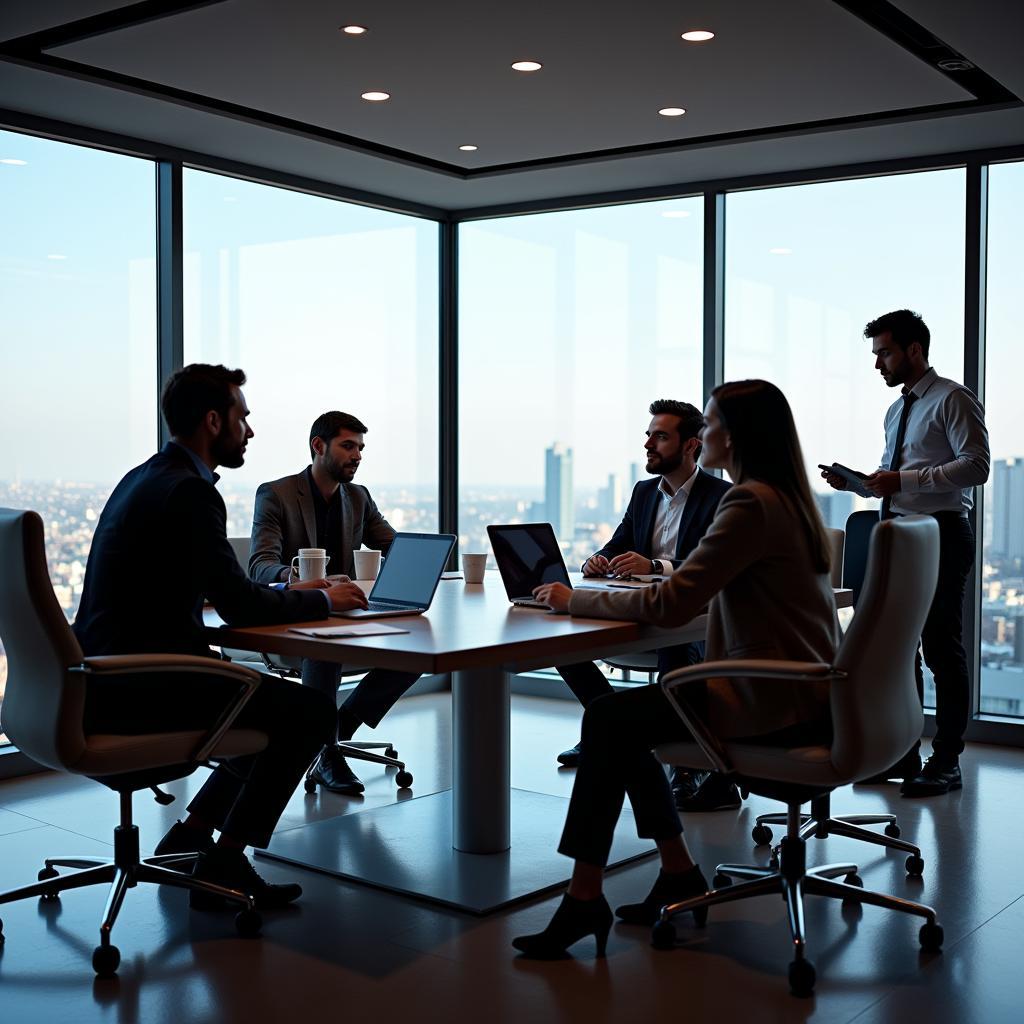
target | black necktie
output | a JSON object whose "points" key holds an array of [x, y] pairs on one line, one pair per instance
{"points": [[897, 449]]}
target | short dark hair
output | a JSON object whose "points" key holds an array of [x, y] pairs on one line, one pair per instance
{"points": [[691, 419], [193, 391], [905, 326], [328, 425]]}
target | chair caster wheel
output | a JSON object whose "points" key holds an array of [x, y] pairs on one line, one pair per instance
{"points": [[857, 882], [391, 752], [761, 834], [663, 935], [309, 786], [720, 881], [403, 780], [105, 961], [248, 923], [802, 977], [915, 866], [44, 874], [893, 831], [930, 936]]}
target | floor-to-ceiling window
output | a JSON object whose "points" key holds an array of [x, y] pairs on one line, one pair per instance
{"points": [[325, 305], [1002, 576], [570, 325], [807, 267], [77, 329]]}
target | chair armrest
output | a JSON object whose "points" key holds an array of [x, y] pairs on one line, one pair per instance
{"points": [[674, 683], [156, 664]]}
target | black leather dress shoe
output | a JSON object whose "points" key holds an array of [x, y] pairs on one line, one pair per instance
{"points": [[935, 778], [686, 781], [907, 767], [569, 758], [716, 793], [573, 920], [181, 839], [333, 773], [232, 869]]}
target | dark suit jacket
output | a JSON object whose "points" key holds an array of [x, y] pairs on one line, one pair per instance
{"points": [[284, 520], [635, 531], [160, 548]]}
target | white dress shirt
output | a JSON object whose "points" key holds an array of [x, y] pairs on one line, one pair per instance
{"points": [[945, 452], [668, 513]]}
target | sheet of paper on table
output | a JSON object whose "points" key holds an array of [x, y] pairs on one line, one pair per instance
{"points": [[356, 629]]}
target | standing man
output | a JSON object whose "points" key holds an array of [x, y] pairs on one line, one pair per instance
{"points": [[321, 507], [170, 506], [936, 453], [665, 520]]}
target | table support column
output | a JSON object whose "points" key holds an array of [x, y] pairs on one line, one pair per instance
{"points": [[481, 760]]}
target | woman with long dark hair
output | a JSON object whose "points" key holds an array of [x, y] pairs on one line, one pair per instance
{"points": [[762, 569]]}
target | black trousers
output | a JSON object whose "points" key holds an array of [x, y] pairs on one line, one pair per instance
{"points": [[245, 798], [942, 640], [374, 696], [588, 682]]}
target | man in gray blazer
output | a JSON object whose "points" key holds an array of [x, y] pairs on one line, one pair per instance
{"points": [[321, 507]]}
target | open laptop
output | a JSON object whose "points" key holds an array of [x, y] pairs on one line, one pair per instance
{"points": [[408, 576], [528, 555]]}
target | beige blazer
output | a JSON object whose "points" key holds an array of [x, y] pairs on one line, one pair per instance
{"points": [[765, 599]]}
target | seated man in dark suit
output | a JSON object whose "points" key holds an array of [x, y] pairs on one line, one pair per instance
{"points": [[321, 507], [166, 515], [664, 521]]}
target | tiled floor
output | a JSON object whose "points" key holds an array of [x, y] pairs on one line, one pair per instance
{"points": [[350, 953]]}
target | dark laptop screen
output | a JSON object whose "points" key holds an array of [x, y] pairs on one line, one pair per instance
{"points": [[413, 566], [527, 556]]}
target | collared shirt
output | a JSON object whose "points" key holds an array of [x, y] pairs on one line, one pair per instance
{"points": [[201, 467], [329, 525], [945, 452], [668, 514]]}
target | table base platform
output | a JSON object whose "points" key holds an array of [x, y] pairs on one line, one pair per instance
{"points": [[407, 848]]}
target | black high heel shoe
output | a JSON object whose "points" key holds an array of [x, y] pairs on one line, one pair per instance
{"points": [[667, 889], [574, 920]]}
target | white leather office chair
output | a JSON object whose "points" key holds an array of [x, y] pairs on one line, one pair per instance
{"points": [[876, 716], [290, 667], [43, 716]]}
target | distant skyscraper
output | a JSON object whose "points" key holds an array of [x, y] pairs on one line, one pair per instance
{"points": [[634, 475], [1008, 508], [835, 507], [609, 500], [558, 490]]}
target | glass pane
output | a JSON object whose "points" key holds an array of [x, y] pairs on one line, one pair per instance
{"points": [[1002, 621], [325, 305], [78, 300], [593, 315], [806, 268]]}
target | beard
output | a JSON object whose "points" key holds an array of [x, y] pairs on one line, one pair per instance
{"points": [[228, 451], [662, 466], [341, 472]]}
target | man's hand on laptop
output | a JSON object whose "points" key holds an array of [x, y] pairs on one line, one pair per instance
{"points": [[554, 595], [630, 564], [346, 596], [596, 565]]}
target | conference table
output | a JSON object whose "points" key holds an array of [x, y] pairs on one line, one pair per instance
{"points": [[482, 844]]}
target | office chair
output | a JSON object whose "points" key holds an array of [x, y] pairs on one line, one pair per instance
{"points": [[288, 666], [43, 715], [876, 715], [849, 562]]}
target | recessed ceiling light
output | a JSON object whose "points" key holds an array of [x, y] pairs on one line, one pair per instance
{"points": [[13, 162], [698, 35], [56, 256], [675, 213], [527, 65], [468, 149], [376, 97], [353, 30], [672, 111], [781, 252]]}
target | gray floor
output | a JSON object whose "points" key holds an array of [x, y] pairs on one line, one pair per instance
{"points": [[358, 954]]}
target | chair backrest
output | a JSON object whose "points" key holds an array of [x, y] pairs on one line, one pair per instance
{"points": [[44, 702], [240, 546], [855, 551], [836, 543], [876, 713]]}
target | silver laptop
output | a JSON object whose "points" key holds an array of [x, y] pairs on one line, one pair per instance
{"points": [[408, 576], [528, 555]]}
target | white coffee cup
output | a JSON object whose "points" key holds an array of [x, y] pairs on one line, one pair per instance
{"points": [[367, 564], [473, 567], [310, 564]]}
